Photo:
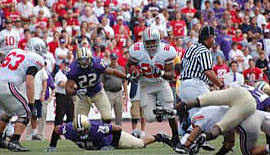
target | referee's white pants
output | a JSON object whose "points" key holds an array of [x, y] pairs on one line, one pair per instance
{"points": [[190, 89]]}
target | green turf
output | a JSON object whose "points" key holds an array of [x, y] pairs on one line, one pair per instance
{"points": [[68, 148]]}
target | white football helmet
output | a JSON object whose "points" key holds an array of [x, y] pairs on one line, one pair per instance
{"points": [[81, 123], [37, 45], [84, 57], [151, 40]]}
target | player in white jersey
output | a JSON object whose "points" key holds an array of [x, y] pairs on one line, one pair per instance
{"points": [[156, 62], [9, 39], [19, 66], [249, 130]]}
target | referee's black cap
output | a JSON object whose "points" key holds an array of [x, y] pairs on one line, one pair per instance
{"points": [[205, 32]]}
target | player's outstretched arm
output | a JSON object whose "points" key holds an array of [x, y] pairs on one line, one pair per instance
{"points": [[213, 77], [115, 72]]}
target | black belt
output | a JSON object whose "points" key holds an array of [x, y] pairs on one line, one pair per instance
{"points": [[114, 90]]}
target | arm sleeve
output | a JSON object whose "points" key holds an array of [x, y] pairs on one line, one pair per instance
{"points": [[32, 70], [205, 59]]}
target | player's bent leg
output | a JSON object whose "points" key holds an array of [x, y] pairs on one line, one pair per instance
{"points": [[148, 103], [81, 106], [135, 113], [236, 98], [127, 141], [103, 105]]}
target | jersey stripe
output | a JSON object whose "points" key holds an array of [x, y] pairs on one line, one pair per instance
{"points": [[196, 60]]}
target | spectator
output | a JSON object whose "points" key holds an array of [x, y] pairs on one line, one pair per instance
{"points": [[152, 6], [71, 20], [88, 16], [207, 11], [189, 11], [233, 78], [160, 27], [60, 8], [179, 26], [41, 6], [171, 7], [218, 9], [238, 38], [42, 20], [120, 23], [55, 43], [245, 26], [262, 63], [98, 8], [260, 19], [236, 55], [225, 42], [254, 28], [113, 88], [106, 26], [25, 9], [60, 54], [13, 13], [107, 12], [122, 38], [246, 58], [252, 74], [215, 51], [220, 68], [2, 18], [138, 30], [179, 48], [22, 42]]}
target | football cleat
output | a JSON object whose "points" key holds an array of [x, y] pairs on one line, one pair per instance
{"points": [[51, 149], [36, 137], [162, 137], [208, 147], [181, 149], [195, 147], [16, 147], [3, 144]]}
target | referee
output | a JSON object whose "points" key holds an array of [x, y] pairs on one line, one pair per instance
{"points": [[197, 72], [197, 65]]}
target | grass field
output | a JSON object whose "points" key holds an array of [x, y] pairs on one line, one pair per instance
{"points": [[68, 148]]}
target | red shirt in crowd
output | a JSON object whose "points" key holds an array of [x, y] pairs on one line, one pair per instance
{"points": [[121, 40], [188, 10], [252, 74], [22, 44], [178, 27], [6, 9], [42, 22], [13, 15], [117, 27], [137, 30], [52, 46], [180, 51], [72, 21], [221, 70], [60, 7]]}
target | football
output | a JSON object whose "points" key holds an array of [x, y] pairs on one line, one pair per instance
{"points": [[134, 70]]}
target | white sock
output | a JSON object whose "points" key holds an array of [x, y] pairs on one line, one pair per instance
{"points": [[34, 131]]}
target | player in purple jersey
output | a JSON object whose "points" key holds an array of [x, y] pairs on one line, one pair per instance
{"points": [[84, 82], [95, 135]]}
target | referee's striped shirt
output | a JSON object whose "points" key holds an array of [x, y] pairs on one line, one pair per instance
{"points": [[196, 60]]}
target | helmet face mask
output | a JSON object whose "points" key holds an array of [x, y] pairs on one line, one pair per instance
{"points": [[84, 57], [151, 40]]}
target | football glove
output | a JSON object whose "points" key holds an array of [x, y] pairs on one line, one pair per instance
{"points": [[33, 110]]}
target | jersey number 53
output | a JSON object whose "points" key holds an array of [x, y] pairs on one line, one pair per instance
{"points": [[13, 60]]}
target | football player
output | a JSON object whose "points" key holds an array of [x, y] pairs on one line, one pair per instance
{"points": [[95, 135], [84, 82], [249, 130], [19, 66], [155, 60], [243, 96]]}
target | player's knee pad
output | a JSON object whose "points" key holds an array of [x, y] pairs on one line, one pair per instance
{"points": [[5, 118], [23, 120], [134, 121]]}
